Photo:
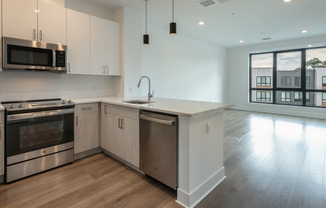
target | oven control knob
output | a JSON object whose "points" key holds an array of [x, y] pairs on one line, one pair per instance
{"points": [[69, 101], [12, 106], [20, 105], [63, 102]]}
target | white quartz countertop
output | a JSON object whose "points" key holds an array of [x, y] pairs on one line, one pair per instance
{"points": [[164, 105]]}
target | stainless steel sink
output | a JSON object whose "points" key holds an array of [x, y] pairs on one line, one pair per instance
{"points": [[138, 102]]}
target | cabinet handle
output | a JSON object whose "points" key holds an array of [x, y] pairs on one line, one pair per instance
{"points": [[68, 67], [41, 35], [76, 120], [122, 123], [34, 34]]}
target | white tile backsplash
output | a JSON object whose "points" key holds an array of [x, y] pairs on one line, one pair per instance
{"points": [[26, 85]]}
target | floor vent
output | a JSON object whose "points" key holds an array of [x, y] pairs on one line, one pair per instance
{"points": [[207, 3]]}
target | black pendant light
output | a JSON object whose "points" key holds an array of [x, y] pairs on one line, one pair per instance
{"points": [[173, 25], [146, 36]]}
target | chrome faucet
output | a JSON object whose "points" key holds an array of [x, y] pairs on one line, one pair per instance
{"points": [[149, 87]]}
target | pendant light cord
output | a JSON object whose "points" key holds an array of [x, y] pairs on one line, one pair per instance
{"points": [[146, 16], [172, 10]]}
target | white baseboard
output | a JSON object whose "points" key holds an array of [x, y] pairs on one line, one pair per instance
{"points": [[190, 200], [308, 112]]}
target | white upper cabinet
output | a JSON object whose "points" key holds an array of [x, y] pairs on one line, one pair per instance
{"points": [[104, 47], [97, 45], [20, 19], [51, 22], [78, 34], [113, 48], [39, 20]]}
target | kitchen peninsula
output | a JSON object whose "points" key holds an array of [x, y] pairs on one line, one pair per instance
{"points": [[200, 141]]}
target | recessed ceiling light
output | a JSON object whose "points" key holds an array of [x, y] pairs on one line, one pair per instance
{"points": [[36, 10], [304, 31], [241, 41], [309, 45], [201, 22], [287, 1]]}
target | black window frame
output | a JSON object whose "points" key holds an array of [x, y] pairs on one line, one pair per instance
{"points": [[323, 83], [274, 88]]}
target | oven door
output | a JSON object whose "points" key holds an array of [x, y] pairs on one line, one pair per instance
{"points": [[37, 130]]}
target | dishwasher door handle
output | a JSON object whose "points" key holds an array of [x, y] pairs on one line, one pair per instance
{"points": [[157, 120]]}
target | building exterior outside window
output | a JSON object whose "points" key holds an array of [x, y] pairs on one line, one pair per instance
{"points": [[263, 81], [286, 81], [263, 96], [297, 96], [297, 81], [307, 81], [286, 96]]}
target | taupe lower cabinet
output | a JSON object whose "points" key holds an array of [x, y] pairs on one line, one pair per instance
{"points": [[2, 138], [86, 127], [120, 132]]}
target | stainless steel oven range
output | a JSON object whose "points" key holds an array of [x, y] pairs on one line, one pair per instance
{"points": [[39, 135]]}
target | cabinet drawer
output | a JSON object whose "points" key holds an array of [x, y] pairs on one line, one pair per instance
{"points": [[89, 107], [121, 111], [1, 117]]}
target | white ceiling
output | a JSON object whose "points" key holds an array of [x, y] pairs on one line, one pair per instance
{"points": [[233, 20]]}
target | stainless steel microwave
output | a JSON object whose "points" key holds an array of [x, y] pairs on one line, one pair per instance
{"points": [[33, 55]]}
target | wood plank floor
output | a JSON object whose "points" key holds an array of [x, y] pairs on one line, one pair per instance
{"points": [[96, 181], [270, 161]]}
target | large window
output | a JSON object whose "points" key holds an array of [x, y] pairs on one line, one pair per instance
{"points": [[296, 77]]}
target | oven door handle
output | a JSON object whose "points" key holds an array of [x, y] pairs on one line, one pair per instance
{"points": [[24, 116]]}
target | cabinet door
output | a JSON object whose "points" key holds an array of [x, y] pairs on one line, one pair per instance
{"points": [[51, 22], [2, 152], [78, 34], [113, 48], [97, 45], [20, 19], [86, 127], [115, 142], [130, 137]]}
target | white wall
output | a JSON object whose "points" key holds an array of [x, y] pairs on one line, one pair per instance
{"points": [[183, 67], [90, 9], [238, 77], [131, 34]]}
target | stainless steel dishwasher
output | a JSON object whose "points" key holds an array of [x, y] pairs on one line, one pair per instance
{"points": [[158, 146]]}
